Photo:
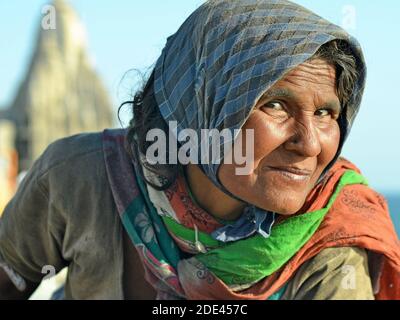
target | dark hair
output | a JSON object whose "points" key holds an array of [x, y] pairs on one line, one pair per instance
{"points": [[339, 54], [147, 116]]}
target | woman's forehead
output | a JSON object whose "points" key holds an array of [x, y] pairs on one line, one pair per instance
{"points": [[317, 79], [316, 71]]}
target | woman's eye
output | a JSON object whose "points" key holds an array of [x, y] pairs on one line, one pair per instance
{"points": [[326, 115], [276, 110], [274, 105], [323, 113]]}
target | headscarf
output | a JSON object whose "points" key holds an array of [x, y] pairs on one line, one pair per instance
{"points": [[220, 62], [227, 54]]}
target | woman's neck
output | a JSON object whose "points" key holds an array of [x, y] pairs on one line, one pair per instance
{"points": [[210, 198]]}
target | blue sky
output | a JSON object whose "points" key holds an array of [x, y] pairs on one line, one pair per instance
{"points": [[131, 34]]}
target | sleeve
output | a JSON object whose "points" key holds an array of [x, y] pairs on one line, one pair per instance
{"points": [[31, 232], [334, 274]]}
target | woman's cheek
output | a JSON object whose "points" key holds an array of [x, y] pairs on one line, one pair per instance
{"points": [[267, 134], [330, 144]]}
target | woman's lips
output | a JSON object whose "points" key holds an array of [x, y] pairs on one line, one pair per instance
{"points": [[291, 173]]}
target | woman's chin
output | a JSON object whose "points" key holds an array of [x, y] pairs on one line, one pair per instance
{"points": [[285, 207]]}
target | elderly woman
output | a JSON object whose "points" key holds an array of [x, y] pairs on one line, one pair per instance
{"points": [[300, 223]]}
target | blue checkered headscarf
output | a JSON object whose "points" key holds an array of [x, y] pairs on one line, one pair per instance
{"points": [[224, 57]]}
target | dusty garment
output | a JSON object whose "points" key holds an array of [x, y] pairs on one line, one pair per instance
{"points": [[334, 274], [65, 215]]}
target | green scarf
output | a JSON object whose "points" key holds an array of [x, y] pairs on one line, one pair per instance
{"points": [[249, 260]]}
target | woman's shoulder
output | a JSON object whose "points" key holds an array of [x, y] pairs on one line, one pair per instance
{"points": [[65, 203], [335, 273], [72, 169], [69, 150]]}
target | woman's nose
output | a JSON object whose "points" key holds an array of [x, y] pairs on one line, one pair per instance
{"points": [[305, 140]]}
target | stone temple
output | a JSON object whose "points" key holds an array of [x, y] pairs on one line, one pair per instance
{"points": [[60, 95]]}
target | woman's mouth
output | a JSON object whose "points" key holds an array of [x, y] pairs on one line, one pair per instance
{"points": [[291, 173]]}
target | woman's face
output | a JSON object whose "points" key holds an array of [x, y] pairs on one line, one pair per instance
{"points": [[296, 136]]}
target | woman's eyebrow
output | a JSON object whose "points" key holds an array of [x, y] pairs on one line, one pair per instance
{"points": [[279, 92]]}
